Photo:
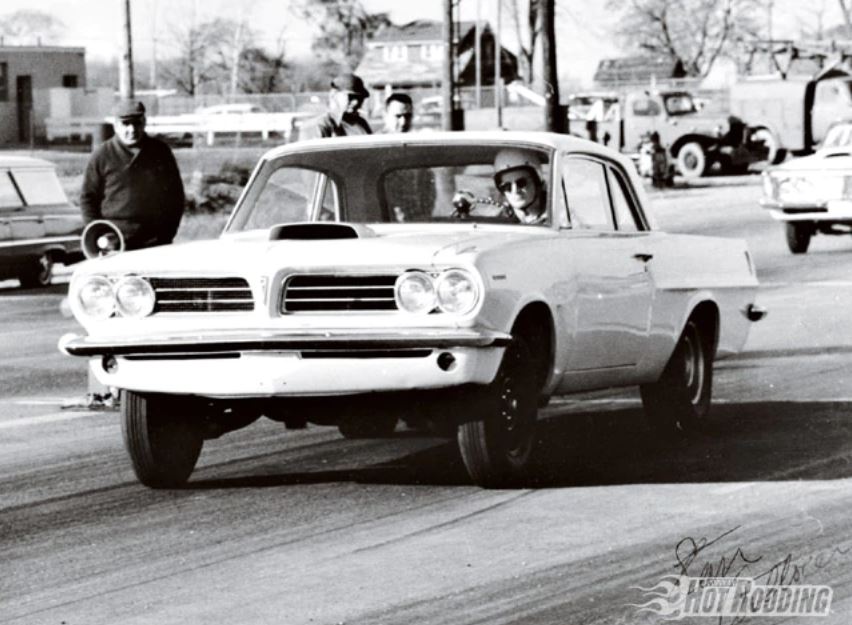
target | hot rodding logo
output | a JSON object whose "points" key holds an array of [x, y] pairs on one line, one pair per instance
{"points": [[676, 597]]}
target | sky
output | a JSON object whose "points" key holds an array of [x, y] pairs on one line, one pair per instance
{"points": [[583, 26]]}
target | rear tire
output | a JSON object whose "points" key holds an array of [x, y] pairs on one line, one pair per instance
{"points": [[496, 447], [678, 402], [692, 160], [163, 438], [39, 273], [798, 237]]}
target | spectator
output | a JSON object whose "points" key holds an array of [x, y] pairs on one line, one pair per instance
{"points": [[345, 98], [399, 112], [133, 181]]}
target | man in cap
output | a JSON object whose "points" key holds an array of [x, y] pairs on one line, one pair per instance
{"points": [[133, 181], [345, 98]]}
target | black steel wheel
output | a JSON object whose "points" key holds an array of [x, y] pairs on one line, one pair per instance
{"points": [[496, 447], [678, 402], [38, 273], [163, 437]]}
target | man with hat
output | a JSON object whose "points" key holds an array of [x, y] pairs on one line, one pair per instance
{"points": [[133, 181], [345, 98]]}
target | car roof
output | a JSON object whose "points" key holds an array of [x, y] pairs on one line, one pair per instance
{"points": [[532, 139], [21, 162]]}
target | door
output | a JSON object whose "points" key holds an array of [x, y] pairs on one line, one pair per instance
{"points": [[610, 251], [25, 108]]}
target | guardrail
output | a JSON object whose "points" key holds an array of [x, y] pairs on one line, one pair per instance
{"points": [[184, 126]]}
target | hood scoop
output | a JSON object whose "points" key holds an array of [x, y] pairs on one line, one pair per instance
{"points": [[314, 231]]}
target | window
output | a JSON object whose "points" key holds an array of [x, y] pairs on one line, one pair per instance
{"points": [[69, 80], [4, 82], [9, 197], [40, 187], [586, 194], [645, 107], [286, 197], [622, 205]]}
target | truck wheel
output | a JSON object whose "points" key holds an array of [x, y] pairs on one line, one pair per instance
{"points": [[691, 160], [162, 437], [775, 154], [38, 273], [677, 402], [798, 237], [496, 448]]}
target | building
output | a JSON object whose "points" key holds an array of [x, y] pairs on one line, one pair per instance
{"points": [[412, 55], [27, 73], [638, 70]]}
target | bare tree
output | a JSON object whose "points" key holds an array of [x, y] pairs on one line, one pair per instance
{"points": [[28, 27], [528, 27], [694, 32], [343, 28]]}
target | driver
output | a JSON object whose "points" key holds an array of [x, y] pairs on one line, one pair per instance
{"points": [[517, 178]]}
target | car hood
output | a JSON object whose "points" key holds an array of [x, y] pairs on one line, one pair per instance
{"points": [[831, 159], [382, 245]]}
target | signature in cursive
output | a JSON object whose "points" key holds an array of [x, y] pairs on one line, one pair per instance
{"points": [[734, 564]]}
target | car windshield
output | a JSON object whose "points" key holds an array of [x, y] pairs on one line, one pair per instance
{"points": [[427, 183], [679, 104], [839, 136]]}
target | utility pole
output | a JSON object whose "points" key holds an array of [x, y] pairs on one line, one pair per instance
{"points": [[153, 75], [554, 118], [125, 68], [447, 74], [498, 66]]}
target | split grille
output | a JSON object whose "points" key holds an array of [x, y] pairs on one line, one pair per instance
{"points": [[328, 293], [202, 294]]}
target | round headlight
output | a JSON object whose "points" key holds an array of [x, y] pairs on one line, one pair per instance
{"points": [[96, 298], [415, 292], [135, 297], [457, 292]]}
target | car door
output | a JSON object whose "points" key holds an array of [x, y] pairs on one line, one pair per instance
{"points": [[613, 289]]}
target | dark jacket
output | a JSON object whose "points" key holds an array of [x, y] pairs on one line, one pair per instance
{"points": [[141, 192], [327, 126]]}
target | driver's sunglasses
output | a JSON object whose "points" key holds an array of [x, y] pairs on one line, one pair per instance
{"points": [[519, 183]]}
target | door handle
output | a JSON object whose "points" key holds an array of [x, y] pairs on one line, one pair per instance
{"points": [[643, 257]]}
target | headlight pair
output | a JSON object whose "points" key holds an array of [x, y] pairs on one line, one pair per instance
{"points": [[101, 298], [453, 291]]}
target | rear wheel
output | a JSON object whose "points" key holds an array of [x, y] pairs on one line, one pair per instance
{"points": [[680, 399], [798, 236], [692, 160], [496, 447], [38, 273], [163, 437]]}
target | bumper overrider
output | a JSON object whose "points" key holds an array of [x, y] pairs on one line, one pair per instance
{"points": [[283, 363]]}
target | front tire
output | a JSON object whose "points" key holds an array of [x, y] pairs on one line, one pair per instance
{"points": [[163, 438], [798, 237], [678, 402], [39, 273], [692, 160], [496, 447]]}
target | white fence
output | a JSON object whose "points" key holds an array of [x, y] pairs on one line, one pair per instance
{"points": [[183, 126]]}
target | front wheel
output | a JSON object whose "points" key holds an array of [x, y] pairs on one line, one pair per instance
{"points": [[39, 273], [496, 447], [163, 437], [678, 402], [692, 160], [798, 237]]}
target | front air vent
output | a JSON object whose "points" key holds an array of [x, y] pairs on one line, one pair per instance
{"points": [[319, 231], [202, 294], [330, 293]]}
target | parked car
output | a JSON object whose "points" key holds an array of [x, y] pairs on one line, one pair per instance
{"points": [[813, 194], [38, 225], [351, 286]]}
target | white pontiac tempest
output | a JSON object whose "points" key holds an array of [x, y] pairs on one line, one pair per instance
{"points": [[364, 279]]}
